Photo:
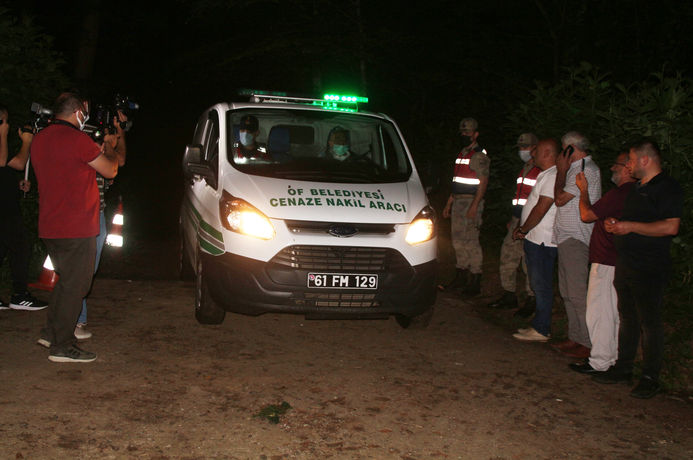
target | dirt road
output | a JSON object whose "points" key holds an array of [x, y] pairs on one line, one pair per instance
{"points": [[165, 387]]}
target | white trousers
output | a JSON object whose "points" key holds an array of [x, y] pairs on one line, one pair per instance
{"points": [[602, 316]]}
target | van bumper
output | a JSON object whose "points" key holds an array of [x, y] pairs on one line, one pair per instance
{"points": [[243, 285]]}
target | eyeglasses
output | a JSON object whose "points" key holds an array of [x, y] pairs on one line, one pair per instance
{"points": [[620, 164]]}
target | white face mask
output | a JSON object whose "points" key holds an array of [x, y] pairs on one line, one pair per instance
{"points": [[340, 152], [246, 138], [525, 155], [82, 123]]}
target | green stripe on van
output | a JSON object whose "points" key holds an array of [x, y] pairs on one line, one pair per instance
{"points": [[210, 239], [216, 234], [210, 248]]}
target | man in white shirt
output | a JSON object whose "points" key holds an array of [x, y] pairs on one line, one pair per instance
{"points": [[572, 237], [536, 228]]}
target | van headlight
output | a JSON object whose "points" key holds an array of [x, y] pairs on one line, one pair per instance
{"points": [[240, 217], [423, 227]]}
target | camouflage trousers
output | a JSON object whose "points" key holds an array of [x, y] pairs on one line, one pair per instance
{"points": [[464, 233], [511, 256]]}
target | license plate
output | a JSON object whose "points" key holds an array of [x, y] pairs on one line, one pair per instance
{"points": [[342, 281]]}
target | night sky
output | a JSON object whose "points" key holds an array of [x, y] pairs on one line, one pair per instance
{"points": [[427, 64]]}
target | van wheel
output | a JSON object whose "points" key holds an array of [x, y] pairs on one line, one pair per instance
{"points": [[185, 269], [206, 310], [416, 322]]}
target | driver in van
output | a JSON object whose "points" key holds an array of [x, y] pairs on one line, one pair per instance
{"points": [[248, 132]]}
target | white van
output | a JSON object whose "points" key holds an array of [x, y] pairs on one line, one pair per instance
{"points": [[306, 206]]}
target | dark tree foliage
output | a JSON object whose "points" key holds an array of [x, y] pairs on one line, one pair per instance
{"points": [[30, 68]]}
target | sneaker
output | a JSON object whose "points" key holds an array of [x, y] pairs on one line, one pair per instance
{"points": [[26, 301], [531, 335], [44, 342], [81, 332], [646, 388], [4, 306], [72, 354]]}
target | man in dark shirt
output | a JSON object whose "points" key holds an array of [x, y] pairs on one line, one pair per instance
{"points": [[651, 218], [13, 239]]}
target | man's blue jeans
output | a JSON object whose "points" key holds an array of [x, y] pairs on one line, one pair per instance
{"points": [[100, 240], [541, 260]]}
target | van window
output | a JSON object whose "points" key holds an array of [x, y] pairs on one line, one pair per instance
{"points": [[319, 146], [212, 143]]}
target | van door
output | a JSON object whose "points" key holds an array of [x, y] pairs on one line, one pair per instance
{"points": [[203, 195]]}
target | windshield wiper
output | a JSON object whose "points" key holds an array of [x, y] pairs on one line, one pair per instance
{"points": [[321, 175]]}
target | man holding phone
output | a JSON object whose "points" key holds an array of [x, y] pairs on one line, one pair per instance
{"points": [[572, 237]]}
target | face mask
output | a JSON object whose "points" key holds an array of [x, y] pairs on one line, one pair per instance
{"points": [[82, 122], [525, 155], [246, 138], [340, 151]]}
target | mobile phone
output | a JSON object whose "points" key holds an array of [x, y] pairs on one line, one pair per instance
{"points": [[583, 165], [568, 151]]}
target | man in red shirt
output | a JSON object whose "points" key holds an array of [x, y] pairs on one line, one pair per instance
{"points": [[602, 300], [66, 161]]}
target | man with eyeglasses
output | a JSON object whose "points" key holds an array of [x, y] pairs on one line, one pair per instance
{"points": [[66, 161], [602, 301]]}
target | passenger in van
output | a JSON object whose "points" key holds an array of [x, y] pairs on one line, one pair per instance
{"points": [[248, 147], [338, 144]]}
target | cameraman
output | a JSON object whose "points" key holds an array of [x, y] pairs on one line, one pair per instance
{"points": [[81, 332], [12, 232], [66, 161]]}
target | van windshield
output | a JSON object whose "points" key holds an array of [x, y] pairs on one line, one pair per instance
{"points": [[316, 146]]}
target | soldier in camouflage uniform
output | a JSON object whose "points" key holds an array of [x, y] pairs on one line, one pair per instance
{"points": [[512, 252], [466, 205]]}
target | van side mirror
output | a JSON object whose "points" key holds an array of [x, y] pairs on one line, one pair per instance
{"points": [[193, 165]]}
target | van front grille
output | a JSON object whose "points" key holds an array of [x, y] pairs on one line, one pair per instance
{"points": [[338, 299], [340, 258]]}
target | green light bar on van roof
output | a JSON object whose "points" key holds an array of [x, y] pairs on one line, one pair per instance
{"points": [[345, 98]]}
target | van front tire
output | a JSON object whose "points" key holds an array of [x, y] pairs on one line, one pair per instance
{"points": [[206, 310]]}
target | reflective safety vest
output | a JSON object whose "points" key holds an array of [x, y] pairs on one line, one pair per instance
{"points": [[525, 184], [464, 179]]}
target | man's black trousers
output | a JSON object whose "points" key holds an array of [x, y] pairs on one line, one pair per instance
{"points": [[640, 308], [73, 259], [13, 241]]}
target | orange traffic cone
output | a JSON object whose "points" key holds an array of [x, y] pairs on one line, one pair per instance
{"points": [[47, 278], [115, 236]]}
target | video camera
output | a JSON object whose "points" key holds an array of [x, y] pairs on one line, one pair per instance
{"points": [[40, 119], [101, 117]]}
